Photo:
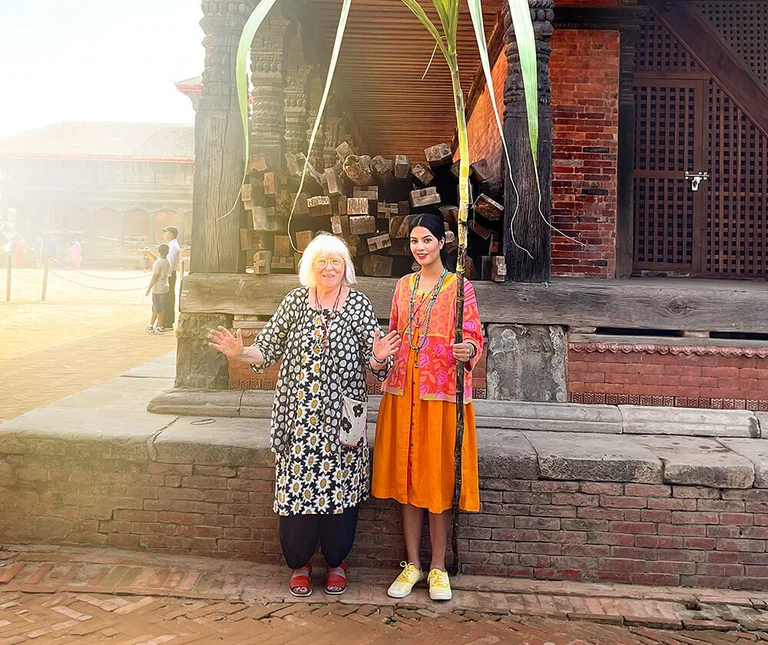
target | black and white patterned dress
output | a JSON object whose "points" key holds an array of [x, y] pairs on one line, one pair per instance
{"points": [[314, 471]]}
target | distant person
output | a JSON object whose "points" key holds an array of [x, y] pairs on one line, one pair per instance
{"points": [[52, 246], [159, 288], [18, 261], [77, 253], [174, 255]]}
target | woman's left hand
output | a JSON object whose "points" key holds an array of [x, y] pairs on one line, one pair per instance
{"points": [[463, 352], [385, 346]]}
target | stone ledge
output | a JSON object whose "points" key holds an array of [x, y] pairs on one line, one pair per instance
{"points": [[511, 415]]}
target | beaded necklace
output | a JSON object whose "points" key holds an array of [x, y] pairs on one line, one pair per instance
{"points": [[427, 315], [325, 338]]}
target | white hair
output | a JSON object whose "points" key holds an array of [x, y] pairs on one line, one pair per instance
{"points": [[324, 245]]}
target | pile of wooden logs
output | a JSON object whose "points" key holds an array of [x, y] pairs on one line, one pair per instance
{"points": [[368, 202]]}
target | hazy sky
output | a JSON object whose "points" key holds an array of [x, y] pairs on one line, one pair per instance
{"points": [[96, 60]]}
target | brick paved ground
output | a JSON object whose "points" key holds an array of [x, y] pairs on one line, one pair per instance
{"points": [[78, 338], [97, 596]]}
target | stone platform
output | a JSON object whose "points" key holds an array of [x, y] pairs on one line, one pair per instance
{"points": [[597, 493]]}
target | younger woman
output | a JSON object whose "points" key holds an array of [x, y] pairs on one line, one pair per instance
{"points": [[416, 429]]}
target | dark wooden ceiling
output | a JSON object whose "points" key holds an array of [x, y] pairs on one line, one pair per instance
{"points": [[383, 57]]}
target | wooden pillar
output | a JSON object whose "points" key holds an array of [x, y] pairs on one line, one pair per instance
{"points": [[219, 143], [268, 80], [530, 227], [296, 108], [625, 219]]}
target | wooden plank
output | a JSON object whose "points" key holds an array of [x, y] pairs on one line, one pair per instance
{"points": [[455, 169], [637, 303], [385, 211], [498, 269], [283, 263], [282, 247], [450, 215], [340, 225], [379, 242], [402, 168], [358, 206], [262, 260], [423, 174], [246, 194], [439, 155], [303, 238], [265, 219], [481, 170], [320, 206], [254, 240], [354, 245], [362, 224], [404, 207], [367, 192], [424, 197], [377, 265], [344, 150], [451, 242], [334, 185], [494, 244], [382, 168], [257, 164], [341, 205], [398, 226], [479, 229], [489, 208], [269, 183], [359, 170], [485, 267]]}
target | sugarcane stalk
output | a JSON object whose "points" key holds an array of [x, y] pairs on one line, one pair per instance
{"points": [[461, 122]]}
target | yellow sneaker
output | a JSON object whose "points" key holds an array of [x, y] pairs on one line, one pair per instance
{"points": [[439, 585], [403, 584]]}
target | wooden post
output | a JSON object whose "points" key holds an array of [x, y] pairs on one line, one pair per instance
{"points": [[8, 278], [219, 145], [625, 216], [531, 230], [46, 268]]}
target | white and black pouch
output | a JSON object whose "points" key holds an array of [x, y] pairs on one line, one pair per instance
{"points": [[353, 432]]}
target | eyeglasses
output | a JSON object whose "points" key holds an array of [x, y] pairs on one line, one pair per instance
{"points": [[336, 262]]}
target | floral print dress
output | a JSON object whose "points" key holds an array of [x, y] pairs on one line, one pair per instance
{"points": [[324, 357]]}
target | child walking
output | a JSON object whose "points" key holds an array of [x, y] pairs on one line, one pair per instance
{"points": [[159, 286]]}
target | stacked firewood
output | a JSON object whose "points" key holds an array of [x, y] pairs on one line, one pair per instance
{"points": [[368, 201]]}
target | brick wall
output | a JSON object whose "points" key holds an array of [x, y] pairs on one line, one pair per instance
{"points": [[584, 69], [669, 375], [636, 533]]}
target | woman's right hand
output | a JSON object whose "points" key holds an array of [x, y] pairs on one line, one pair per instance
{"points": [[223, 340]]}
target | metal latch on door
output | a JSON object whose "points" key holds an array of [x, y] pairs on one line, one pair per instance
{"points": [[696, 178]]}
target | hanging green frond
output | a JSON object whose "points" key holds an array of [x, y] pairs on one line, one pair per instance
{"points": [[417, 10], [520, 13], [241, 64]]}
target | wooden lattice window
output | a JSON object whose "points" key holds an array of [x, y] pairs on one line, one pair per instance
{"points": [[744, 26], [737, 212], [659, 51], [664, 150]]}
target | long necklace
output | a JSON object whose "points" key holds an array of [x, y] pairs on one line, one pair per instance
{"points": [[326, 335], [426, 316]]}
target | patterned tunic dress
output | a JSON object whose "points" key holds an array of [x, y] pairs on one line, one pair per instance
{"points": [[324, 357]]}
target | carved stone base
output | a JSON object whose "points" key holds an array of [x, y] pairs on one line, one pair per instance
{"points": [[526, 363], [197, 365]]}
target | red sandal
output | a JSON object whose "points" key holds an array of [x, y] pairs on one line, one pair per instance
{"points": [[299, 585], [336, 583]]}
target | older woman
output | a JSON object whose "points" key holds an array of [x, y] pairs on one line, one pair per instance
{"points": [[327, 336]]}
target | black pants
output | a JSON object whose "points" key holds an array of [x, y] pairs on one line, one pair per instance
{"points": [[169, 304], [299, 535]]}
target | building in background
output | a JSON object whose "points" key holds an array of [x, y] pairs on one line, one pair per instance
{"points": [[115, 185]]}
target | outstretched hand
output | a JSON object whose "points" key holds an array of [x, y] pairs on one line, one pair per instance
{"points": [[385, 346], [223, 340]]}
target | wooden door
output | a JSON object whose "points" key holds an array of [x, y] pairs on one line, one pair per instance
{"points": [[670, 139]]}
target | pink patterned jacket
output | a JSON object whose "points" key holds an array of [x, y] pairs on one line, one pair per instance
{"points": [[437, 367]]}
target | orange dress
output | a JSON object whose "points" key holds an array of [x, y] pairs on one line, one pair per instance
{"points": [[415, 438]]}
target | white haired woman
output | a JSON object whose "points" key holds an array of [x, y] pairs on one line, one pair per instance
{"points": [[327, 336]]}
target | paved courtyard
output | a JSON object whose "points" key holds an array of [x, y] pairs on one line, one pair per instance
{"points": [[88, 333], [82, 335]]}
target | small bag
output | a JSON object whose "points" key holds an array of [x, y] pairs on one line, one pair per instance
{"points": [[353, 432]]}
